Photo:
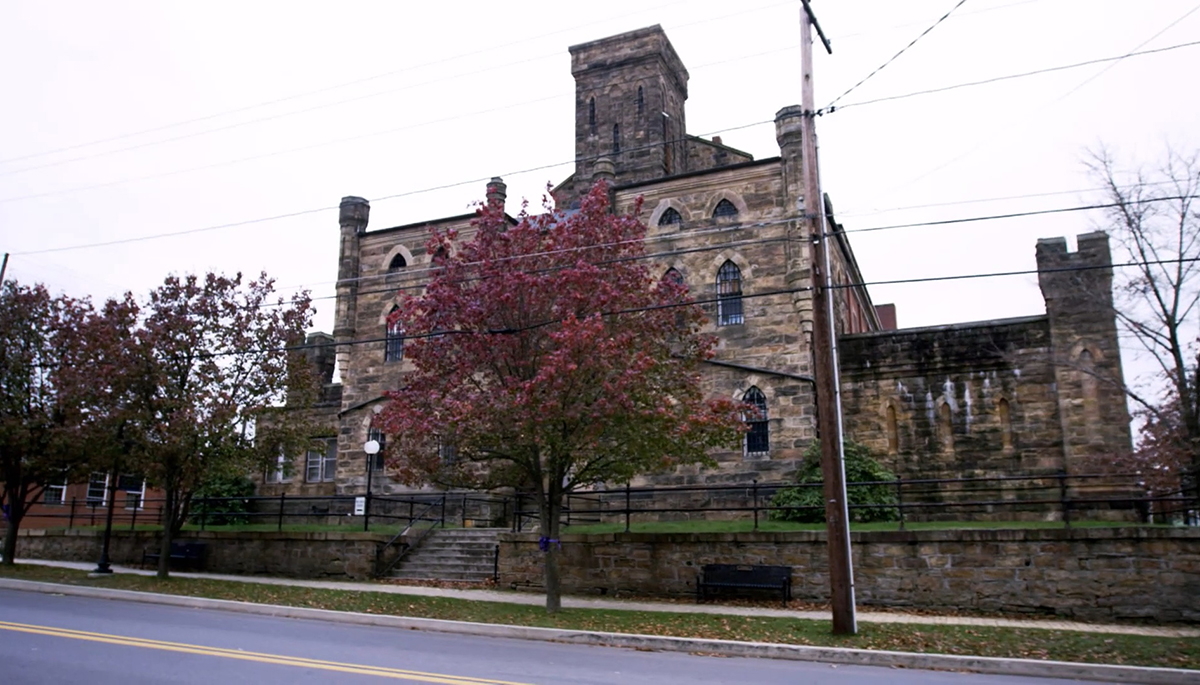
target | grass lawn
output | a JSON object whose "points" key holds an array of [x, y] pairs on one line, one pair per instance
{"points": [[977, 641]]}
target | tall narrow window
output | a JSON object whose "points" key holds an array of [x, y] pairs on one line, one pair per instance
{"points": [[97, 488], [393, 350], [729, 295], [641, 101], [946, 426], [670, 217], [758, 437], [673, 276], [724, 209], [666, 134], [398, 262], [592, 114], [378, 436], [616, 138], [320, 462], [893, 431], [1005, 415]]}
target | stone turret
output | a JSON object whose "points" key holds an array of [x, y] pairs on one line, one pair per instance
{"points": [[353, 215], [1077, 287]]}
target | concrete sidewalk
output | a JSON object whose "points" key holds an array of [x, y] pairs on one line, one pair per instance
{"points": [[681, 608]]}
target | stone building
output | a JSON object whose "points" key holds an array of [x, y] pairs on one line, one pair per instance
{"points": [[994, 397]]}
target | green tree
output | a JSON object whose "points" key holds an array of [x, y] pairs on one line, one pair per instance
{"points": [[860, 467]]}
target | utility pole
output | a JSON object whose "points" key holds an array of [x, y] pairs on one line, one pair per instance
{"points": [[824, 342]]}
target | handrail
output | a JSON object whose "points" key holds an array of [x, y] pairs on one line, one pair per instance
{"points": [[411, 544]]}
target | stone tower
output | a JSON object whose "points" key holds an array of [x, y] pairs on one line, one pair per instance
{"points": [[353, 215], [629, 95], [1077, 288]]}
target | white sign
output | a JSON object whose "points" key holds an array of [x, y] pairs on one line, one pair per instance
{"points": [[360, 506]]}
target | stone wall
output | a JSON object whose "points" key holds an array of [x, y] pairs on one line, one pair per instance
{"points": [[289, 555], [1101, 574]]}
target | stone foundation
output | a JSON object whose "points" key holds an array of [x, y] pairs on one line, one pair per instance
{"points": [[1098, 574], [289, 555]]}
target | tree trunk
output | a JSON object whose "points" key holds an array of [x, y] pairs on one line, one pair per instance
{"points": [[10, 537], [168, 527], [549, 527]]}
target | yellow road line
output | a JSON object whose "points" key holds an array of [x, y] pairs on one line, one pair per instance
{"points": [[278, 659]]}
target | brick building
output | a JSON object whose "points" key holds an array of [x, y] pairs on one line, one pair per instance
{"points": [[987, 398]]}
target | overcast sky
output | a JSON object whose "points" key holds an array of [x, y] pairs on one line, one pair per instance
{"points": [[130, 119]]}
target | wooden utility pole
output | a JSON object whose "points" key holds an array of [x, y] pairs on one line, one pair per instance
{"points": [[824, 342]]}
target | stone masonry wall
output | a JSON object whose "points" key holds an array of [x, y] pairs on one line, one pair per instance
{"points": [[290, 555], [1093, 574]]}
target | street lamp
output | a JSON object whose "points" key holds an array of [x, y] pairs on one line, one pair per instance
{"points": [[371, 448], [103, 567]]}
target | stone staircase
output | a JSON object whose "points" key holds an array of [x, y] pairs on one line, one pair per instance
{"points": [[461, 554]]}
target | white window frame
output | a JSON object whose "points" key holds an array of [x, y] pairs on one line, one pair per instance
{"points": [[324, 462], [141, 498], [102, 501], [279, 473], [62, 495]]}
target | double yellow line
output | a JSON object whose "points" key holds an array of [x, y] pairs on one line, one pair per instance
{"points": [[278, 659]]}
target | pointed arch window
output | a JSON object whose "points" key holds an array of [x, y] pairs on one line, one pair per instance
{"points": [[592, 114], [393, 349], [729, 295], [670, 217], [398, 262], [758, 437], [893, 430], [616, 138], [641, 101], [673, 276], [1005, 415], [725, 209], [946, 427]]}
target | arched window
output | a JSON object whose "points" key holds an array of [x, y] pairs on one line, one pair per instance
{"points": [[398, 262], [893, 431], [641, 101], [758, 438], [673, 276], [1005, 415], [946, 426], [616, 138], [393, 348], [729, 295], [724, 209], [592, 114], [670, 217]]}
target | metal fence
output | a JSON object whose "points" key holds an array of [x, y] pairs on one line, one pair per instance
{"points": [[1043, 497]]}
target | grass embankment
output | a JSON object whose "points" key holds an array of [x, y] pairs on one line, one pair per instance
{"points": [[964, 640]]}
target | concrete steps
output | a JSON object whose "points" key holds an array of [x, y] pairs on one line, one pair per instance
{"points": [[460, 554]]}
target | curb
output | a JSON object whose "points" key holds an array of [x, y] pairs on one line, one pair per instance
{"points": [[832, 655]]}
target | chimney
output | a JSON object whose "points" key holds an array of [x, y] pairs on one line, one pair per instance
{"points": [[497, 192], [717, 140]]}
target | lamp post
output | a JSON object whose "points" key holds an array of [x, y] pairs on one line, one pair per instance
{"points": [[103, 567], [371, 448]]}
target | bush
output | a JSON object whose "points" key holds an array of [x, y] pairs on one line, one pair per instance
{"points": [[861, 467], [229, 509]]}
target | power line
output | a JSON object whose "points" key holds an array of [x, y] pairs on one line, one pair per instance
{"points": [[336, 103], [830, 109], [893, 57], [1025, 272]]}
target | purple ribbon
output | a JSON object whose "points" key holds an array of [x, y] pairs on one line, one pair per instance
{"points": [[544, 544]]}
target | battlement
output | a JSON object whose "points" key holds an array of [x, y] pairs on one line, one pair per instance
{"points": [[626, 48]]}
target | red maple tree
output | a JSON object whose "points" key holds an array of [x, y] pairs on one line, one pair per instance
{"points": [[548, 357]]}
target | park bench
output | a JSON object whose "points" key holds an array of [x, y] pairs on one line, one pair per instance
{"points": [[184, 554], [744, 577]]}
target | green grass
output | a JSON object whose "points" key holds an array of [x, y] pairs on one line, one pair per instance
{"points": [[977, 641], [785, 526]]}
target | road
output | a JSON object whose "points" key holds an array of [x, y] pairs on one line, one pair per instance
{"points": [[61, 639]]}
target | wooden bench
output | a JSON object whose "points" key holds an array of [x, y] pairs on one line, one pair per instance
{"points": [[185, 554], [744, 577]]}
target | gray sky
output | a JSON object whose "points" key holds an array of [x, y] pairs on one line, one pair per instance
{"points": [[391, 99]]}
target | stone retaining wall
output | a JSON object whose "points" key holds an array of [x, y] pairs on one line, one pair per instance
{"points": [[1101, 574], [290, 555]]}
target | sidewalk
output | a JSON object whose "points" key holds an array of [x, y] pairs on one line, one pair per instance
{"points": [[617, 604]]}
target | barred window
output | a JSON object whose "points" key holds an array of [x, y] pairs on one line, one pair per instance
{"points": [[393, 350], [670, 217], [729, 295], [724, 208], [616, 138], [758, 438]]}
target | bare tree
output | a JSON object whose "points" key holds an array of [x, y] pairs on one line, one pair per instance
{"points": [[1155, 217]]}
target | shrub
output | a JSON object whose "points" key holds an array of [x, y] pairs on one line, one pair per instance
{"points": [[229, 509], [861, 467]]}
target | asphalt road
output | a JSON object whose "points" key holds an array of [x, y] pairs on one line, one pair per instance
{"points": [[59, 639]]}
